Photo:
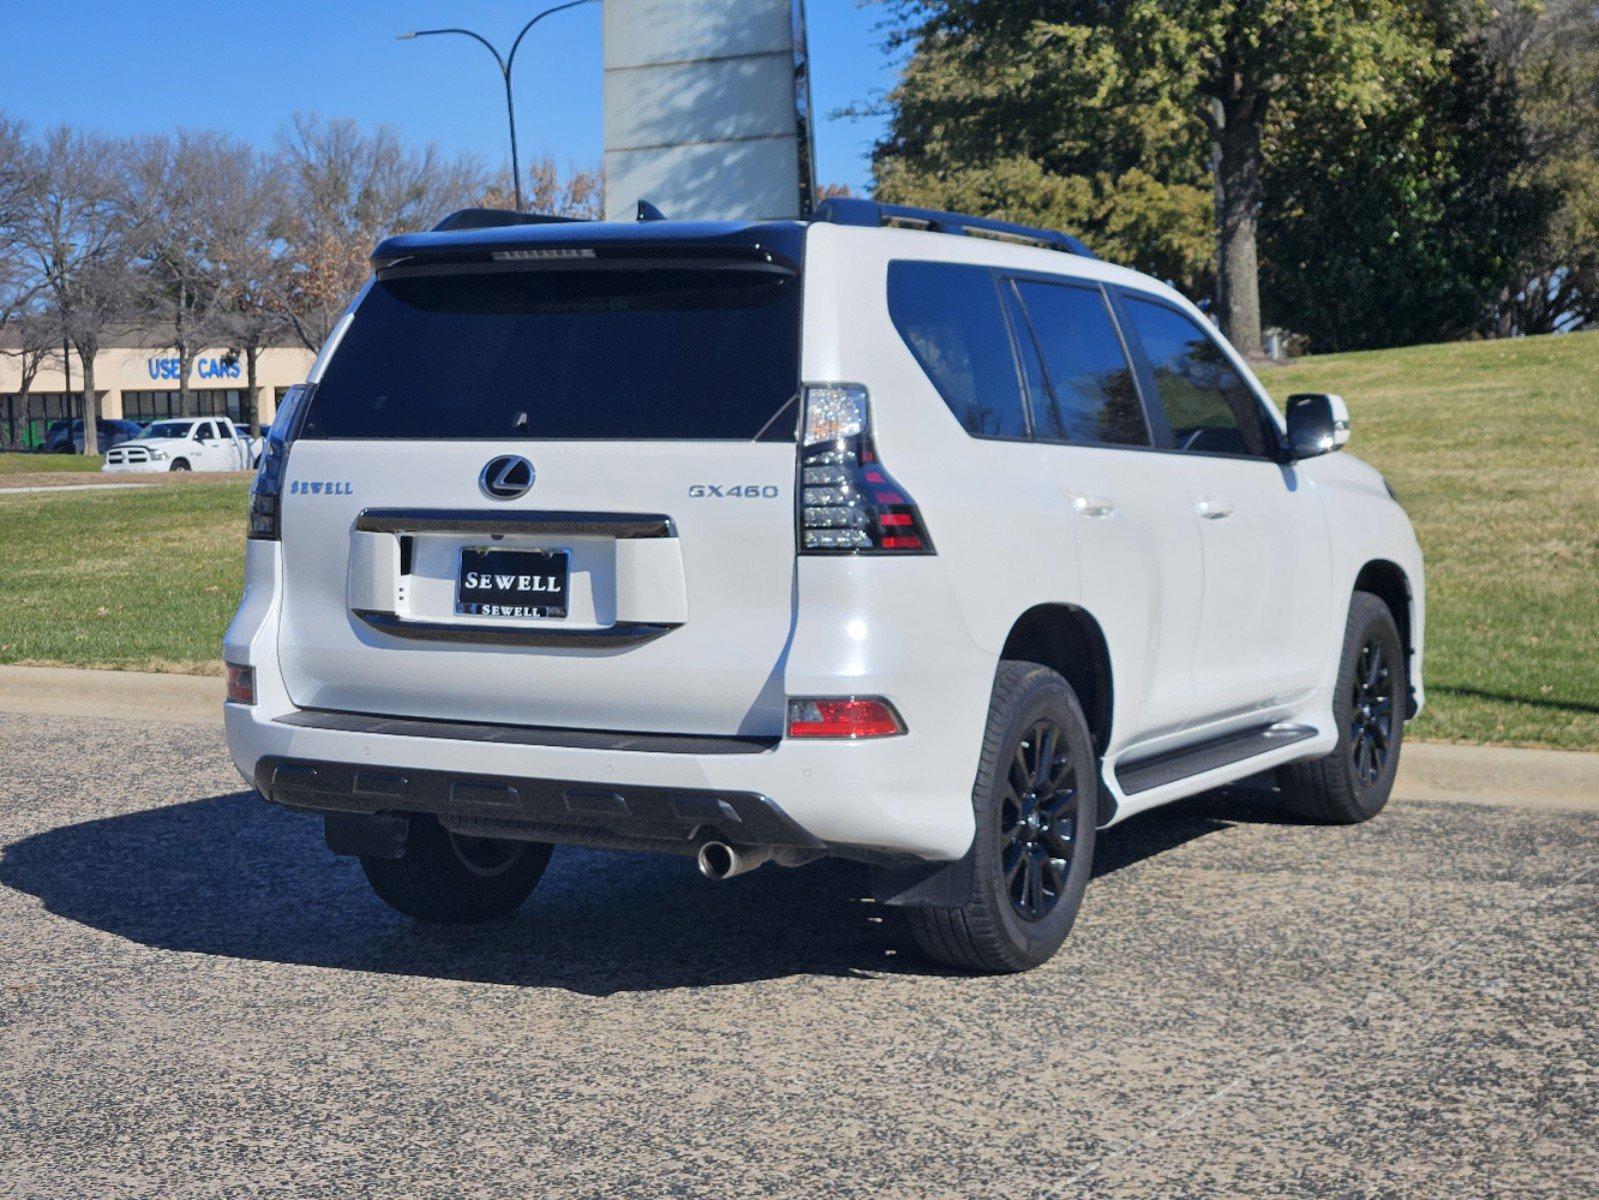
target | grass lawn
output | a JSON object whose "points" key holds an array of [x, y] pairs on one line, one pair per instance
{"points": [[1492, 446], [142, 580], [33, 464]]}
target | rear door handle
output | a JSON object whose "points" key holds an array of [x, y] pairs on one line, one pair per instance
{"points": [[1094, 506], [1213, 508]]}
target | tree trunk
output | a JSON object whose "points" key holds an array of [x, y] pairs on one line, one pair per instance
{"points": [[180, 343], [91, 402], [251, 354], [186, 402], [1237, 130]]}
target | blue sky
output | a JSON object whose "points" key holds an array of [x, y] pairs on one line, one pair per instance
{"points": [[136, 67]]}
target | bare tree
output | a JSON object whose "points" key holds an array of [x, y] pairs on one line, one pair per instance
{"points": [[579, 192], [72, 233], [18, 284], [177, 190], [34, 342], [252, 271], [348, 188]]}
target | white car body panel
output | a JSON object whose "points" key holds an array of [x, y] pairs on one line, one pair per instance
{"points": [[1212, 625]]}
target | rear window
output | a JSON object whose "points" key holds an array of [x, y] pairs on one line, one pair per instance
{"points": [[661, 353]]}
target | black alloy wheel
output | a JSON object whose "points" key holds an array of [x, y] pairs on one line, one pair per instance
{"points": [[1371, 726], [1034, 803], [1352, 782], [1038, 821]]}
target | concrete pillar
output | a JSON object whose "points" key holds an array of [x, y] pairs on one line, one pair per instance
{"points": [[265, 405], [111, 403]]}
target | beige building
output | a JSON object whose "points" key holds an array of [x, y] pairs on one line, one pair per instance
{"points": [[138, 383]]}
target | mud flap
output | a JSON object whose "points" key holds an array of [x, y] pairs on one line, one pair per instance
{"points": [[926, 885]]}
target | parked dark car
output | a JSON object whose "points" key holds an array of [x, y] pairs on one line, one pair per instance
{"points": [[63, 437]]}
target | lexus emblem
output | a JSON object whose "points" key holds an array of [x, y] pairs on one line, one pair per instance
{"points": [[506, 477]]}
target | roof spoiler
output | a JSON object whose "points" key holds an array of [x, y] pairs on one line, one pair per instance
{"points": [[849, 211], [492, 218]]}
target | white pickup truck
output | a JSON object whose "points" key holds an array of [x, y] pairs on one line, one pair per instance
{"points": [[186, 444]]}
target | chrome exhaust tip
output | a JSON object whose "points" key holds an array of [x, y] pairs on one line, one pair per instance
{"points": [[719, 861]]}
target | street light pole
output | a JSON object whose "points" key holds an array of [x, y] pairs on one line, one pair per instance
{"points": [[505, 63]]}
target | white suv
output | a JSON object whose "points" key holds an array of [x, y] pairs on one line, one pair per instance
{"points": [[912, 538]]}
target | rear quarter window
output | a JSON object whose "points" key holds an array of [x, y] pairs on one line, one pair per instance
{"points": [[949, 315]]}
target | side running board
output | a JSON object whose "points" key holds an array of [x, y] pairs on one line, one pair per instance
{"points": [[1161, 769]]}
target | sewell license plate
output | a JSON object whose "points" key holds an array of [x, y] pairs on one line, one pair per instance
{"points": [[511, 583]]}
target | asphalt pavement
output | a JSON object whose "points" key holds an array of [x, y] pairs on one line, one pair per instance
{"points": [[198, 1000]]}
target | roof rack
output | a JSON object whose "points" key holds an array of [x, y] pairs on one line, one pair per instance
{"points": [[492, 218], [848, 211]]}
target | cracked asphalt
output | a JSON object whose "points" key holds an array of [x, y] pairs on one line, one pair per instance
{"points": [[198, 1000]]}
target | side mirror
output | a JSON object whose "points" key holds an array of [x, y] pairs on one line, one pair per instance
{"points": [[1318, 423]]}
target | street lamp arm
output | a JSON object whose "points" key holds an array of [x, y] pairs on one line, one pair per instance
{"points": [[505, 74], [511, 57], [505, 68]]}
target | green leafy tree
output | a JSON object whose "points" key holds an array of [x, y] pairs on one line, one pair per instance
{"points": [[1547, 53], [1007, 109], [1174, 95], [1403, 227]]}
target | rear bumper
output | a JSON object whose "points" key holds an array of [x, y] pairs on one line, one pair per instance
{"points": [[905, 797], [892, 632], [625, 816]]}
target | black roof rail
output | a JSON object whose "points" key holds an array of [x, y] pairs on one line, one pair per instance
{"points": [[491, 218], [850, 211]]}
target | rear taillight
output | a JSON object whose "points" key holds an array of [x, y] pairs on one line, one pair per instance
{"points": [[847, 717], [241, 684], [848, 502], [266, 494]]}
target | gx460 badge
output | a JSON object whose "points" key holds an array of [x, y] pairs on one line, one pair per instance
{"points": [[739, 491]]}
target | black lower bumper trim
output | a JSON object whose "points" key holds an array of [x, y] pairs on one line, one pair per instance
{"points": [[624, 815]]}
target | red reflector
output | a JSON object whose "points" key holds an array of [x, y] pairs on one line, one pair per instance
{"points": [[897, 519], [875, 477], [907, 542], [848, 717], [241, 684]]}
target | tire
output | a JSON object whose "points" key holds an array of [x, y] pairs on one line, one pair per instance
{"points": [[1003, 928], [1352, 783], [456, 880], [179, 464]]}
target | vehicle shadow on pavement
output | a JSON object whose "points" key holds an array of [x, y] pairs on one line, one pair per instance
{"points": [[234, 876]]}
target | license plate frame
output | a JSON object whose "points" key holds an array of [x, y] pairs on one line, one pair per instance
{"points": [[539, 581]]}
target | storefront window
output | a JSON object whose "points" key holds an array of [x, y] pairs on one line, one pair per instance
{"points": [[24, 419]]}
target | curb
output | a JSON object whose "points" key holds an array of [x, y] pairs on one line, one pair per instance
{"points": [[118, 695], [1428, 771], [1500, 776]]}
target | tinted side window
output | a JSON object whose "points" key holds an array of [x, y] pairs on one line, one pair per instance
{"points": [[949, 316], [1089, 394], [1208, 404]]}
